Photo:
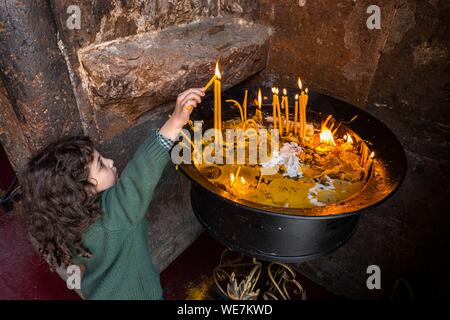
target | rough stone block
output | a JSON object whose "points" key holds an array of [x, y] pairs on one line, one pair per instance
{"points": [[132, 75]]}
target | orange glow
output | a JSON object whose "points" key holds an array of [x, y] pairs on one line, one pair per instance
{"points": [[218, 75], [231, 179], [326, 136], [349, 139]]}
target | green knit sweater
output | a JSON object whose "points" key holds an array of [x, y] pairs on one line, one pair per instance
{"points": [[120, 266]]}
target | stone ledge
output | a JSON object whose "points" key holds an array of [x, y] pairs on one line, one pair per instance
{"points": [[132, 75]]}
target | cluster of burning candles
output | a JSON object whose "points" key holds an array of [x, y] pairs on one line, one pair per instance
{"points": [[287, 128]]}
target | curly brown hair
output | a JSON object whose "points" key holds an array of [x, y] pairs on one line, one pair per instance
{"points": [[60, 201]]}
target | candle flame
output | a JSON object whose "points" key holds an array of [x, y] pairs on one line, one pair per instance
{"points": [[326, 136], [231, 179], [349, 139], [299, 83], [259, 98], [306, 90], [218, 75], [296, 97], [273, 90], [277, 91], [242, 180], [284, 91], [372, 155]]}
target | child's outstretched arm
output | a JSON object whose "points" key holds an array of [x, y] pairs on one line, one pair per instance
{"points": [[127, 202]]}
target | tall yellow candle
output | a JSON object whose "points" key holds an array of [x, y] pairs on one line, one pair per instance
{"points": [[274, 106], [217, 103], [305, 103], [302, 112], [209, 84], [245, 104], [280, 123], [302, 116], [211, 81], [258, 110], [296, 114], [286, 109]]}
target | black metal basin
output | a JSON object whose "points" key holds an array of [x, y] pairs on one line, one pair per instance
{"points": [[297, 234]]}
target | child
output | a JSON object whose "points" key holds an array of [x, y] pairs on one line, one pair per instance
{"points": [[80, 213]]}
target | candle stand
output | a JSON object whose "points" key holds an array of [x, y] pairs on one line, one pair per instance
{"points": [[279, 235]]}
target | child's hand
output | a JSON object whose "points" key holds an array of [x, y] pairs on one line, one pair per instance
{"points": [[186, 102]]}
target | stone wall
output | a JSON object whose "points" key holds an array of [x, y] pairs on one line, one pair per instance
{"points": [[401, 75]]}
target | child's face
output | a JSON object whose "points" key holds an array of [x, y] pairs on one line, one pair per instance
{"points": [[102, 172]]}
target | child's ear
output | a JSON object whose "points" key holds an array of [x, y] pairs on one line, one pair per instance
{"points": [[93, 181]]}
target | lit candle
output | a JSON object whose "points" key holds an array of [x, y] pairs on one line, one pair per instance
{"points": [[209, 84], [215, 106], [295, 114], [211, 81], [206, 87], [280, 123], [258, 111], [231, 179], [217, 102], [243, 187], [219, 97], [237, 173], [303, 101], [274, 106], [368, 165]]}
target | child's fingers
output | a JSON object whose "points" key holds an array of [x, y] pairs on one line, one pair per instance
{"points": [[190, 105], [191, 96], [184, 94], [197, 91]]}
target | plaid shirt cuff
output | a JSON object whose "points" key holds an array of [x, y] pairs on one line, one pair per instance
{"points": [[165, 142]]}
